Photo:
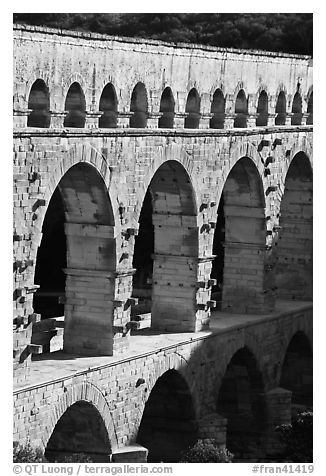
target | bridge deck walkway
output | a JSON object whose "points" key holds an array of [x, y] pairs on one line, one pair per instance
{"points": [[58, 365]]}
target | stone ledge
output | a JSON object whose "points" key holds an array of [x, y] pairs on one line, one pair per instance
{"points": [[31, 132], [146, 41]]}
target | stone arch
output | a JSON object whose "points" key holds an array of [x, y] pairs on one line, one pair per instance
{"points": [[139, 106], [75, 106], [87, 223], [78, 78], [82, 392], [39, 103], [169, 424], [297, 369], [240, 240], [280, 108], [293, 270], [22, 99], [241, 109], [296, 109], [310, 107], [240, 400], [262, 109], [218, 110], [159, 160], [168, 231], [108, 105], [167, 106], [88, 154], [192, 110]]}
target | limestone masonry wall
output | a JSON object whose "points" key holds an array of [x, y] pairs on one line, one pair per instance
{"points": [[154, 182]]}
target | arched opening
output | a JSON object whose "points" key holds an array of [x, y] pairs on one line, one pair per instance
{"points": [[240, 401], [143, 258], [75, 260], [75, 106], [167, 109], [241, 109], [239, 241], [39, 102], [139, 106], [310, 110], [262, 109], [296, 110], [218, 251], [80, 430], [166, 249], [168, 426], [218, 110], [109, 106], [297, 372], [280, 109], [51, 261], [192, 110], [293, 271]]}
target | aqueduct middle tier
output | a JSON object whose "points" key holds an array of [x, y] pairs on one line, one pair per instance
{"points": [[159, 190]]}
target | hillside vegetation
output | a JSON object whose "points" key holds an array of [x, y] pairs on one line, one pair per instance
{"points": [[287, 32]]}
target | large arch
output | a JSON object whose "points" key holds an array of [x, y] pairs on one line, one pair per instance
{"points": [[240, 240], [297, 371], [97, 426], [166, 249], [240, 400], [39, 103], [80, 211], [75, 106], [168, 425], [293, 271]]}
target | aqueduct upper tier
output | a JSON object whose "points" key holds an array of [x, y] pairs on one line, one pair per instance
{"points": [[89, 80], [157, 186]]}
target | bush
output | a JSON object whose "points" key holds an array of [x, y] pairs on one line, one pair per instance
{"points": [[27, 454], [207, 451], [74, 458], [298, 439]]}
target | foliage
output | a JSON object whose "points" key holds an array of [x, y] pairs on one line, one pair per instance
{"points": [[288, 32], [207, 451], [74, 458], [27, 453], [298, 438]]}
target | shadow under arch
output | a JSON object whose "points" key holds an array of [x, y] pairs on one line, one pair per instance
{"points": [[293, 271], [168, 426], [167, 106], [39, 103], [297, 371], [109, 107], [240, 400], [240, 240], [167, 240], [75, 105], [78, 235], [80, 422], [139, 106]]}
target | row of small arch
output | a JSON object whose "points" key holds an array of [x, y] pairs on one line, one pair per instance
{"points": [[75, 108]]}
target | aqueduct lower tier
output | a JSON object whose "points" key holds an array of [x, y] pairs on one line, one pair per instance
{"points": [[205, 238], [167, 390]]}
